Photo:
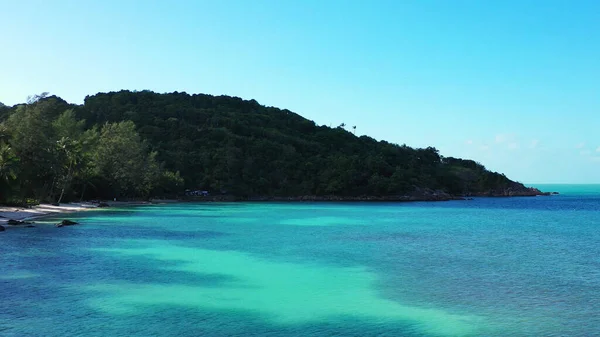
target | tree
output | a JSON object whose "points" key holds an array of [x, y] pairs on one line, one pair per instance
{"points": [[32, 140], [68, 126], [35, 98], [123, 159], [170, 183], [69, 132], [70, 151], [8, 170]]}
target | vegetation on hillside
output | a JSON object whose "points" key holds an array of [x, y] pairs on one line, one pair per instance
{"points": [[144, 144]]}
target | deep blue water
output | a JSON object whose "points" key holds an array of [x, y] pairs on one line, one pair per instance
{"points": [[486, 267]]}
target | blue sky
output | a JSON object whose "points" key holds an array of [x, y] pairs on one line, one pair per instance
{"points": [[512, 84]]}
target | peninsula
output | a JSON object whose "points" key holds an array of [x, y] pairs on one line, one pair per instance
{"points": [[140, 145]]}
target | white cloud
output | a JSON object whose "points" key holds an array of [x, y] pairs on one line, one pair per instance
{"points": [[580, 145], [534, 144], [513, 146], [585, 152], [484, 147], [510, 139], [469, 142]]}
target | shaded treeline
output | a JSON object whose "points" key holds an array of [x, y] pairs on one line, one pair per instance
{"points": [[143, 144]]}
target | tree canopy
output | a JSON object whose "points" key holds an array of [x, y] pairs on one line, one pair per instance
{"points": [[142, 144]]}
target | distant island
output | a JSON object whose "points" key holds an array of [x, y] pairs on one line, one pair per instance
{"points": [[140, 145]]}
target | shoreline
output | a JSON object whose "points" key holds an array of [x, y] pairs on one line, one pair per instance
{"points": [[420, 196], [46, 210]]}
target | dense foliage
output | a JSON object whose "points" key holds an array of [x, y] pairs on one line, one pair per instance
{"points": [[142, 144]]}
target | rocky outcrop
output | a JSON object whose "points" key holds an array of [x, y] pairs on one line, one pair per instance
{"points": [[420, 194], [12, 222], [2, 229], [514, 191], [66, 223]]}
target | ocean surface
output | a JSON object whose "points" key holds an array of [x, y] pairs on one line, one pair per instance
{"points": [[485, 267]]}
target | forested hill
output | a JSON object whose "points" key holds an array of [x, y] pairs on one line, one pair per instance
{"points": [[142, 144]]}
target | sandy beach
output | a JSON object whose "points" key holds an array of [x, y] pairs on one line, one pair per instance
{"points": [[20, 213]]}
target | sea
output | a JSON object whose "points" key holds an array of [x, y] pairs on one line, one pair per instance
{"points": [[523, 266]]}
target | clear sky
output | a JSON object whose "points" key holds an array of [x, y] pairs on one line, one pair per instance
{"points": [[512, 84]]}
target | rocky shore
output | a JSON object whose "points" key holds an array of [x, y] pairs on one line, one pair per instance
{"points": [[420, 194], [17, 217], [512, 192]]}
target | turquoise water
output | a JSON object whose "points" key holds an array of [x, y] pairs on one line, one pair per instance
{"points": [[571, 190], [486, 267]]}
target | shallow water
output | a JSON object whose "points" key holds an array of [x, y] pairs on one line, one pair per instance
{"points": [[491, 267]]}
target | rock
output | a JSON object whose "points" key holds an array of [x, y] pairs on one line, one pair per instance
{"points": [[12, 222], [514, 190], [55, 204], [554, 193], [66, 223], [2, 229], [29, 226], [103, 204], [18, 222]]}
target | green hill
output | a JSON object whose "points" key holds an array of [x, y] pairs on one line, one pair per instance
{"points": [[144, 144]]}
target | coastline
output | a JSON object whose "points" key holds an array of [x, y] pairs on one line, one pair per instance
{"points": [[45, 210], [420, 194], [25, 215]]}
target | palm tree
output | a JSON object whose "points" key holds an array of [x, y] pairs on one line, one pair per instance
{"points": [[8, 167], [354, 128], [71, 150]]}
